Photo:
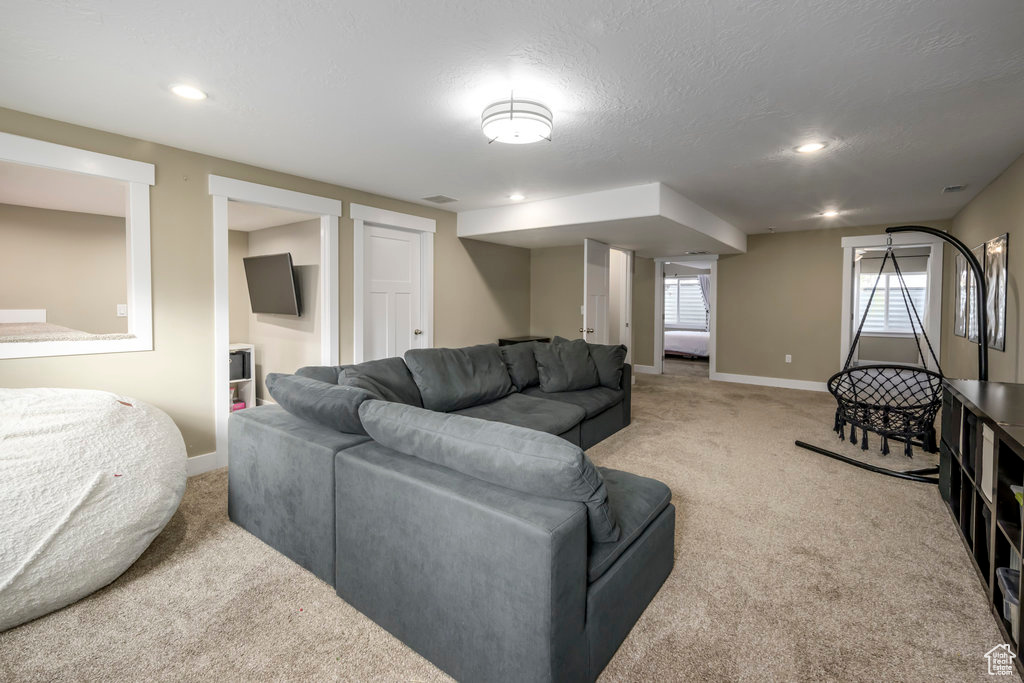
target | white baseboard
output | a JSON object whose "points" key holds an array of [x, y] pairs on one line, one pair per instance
{"points": [[200, 464], [780, 382], [645, 369]]}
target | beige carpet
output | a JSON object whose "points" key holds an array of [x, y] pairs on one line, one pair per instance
{"points": [[789, 567]]}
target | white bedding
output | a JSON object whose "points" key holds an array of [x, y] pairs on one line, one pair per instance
{"points": [[41, 332], [686, 341], [88, 479]]}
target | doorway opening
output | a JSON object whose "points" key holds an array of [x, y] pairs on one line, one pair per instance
{"points": [[227, 191], [685, 293]]}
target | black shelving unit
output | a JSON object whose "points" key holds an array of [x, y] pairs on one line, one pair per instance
{"points": [[976, 485]]}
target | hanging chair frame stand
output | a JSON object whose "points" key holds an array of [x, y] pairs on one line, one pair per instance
{"points": [[926, 434]]}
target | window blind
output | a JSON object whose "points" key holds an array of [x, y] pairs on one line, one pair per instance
{"points": [[684, 304]]}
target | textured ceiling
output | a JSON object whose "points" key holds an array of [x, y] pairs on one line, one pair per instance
{"points": [[707, 96]]}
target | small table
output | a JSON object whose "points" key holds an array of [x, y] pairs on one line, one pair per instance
{"points": [[508, 341]]}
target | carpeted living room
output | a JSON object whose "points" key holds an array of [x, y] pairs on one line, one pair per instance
{"points": [[491, 342]]}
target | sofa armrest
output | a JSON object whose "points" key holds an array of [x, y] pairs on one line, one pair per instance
{"points": [[281, 483], [487, 583]]}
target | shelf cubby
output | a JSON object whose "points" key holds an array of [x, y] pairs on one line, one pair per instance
{"points": [[981, 456]]}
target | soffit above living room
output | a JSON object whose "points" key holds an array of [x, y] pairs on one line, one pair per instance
{"points": [[652, 220], [709, 98]]}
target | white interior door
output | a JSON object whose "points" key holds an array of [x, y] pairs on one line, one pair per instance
{"points": [[392, 293], [595, 291]]}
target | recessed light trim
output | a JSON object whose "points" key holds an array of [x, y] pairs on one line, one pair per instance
{"points": [[517, 196], [829, 213], [811, 147], [188, 92]]}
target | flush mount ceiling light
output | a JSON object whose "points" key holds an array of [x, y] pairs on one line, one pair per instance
{"points": [[811, 147], [188, 92], [830, 213], [516, 122], [517, 196]]}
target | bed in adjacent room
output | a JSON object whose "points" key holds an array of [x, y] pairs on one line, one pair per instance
{"points": [[687, 343], [29, 325]]}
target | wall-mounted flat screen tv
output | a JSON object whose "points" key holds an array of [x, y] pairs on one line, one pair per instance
{"points": [[273, 287]]}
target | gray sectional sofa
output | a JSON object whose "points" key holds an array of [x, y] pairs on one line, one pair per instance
{"points": [[448, 498]]}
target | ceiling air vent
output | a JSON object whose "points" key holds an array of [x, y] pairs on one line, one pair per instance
{"points": [[697, 253], [440, 199], [954, 188]]}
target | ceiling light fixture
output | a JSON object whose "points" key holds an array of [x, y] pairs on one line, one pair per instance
{"points": [[811, 147], [830, 213], [188, 92], [516, 122]]}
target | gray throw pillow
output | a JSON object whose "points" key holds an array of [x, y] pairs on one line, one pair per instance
{"points": [[451, 379], [388, 377], [521, 364], [609, 359], [516, 458], [330, 405], [565, 365]]}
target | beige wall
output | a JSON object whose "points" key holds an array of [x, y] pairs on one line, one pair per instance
{"points": [[71, 264], [481, 292], [784, 296], [285, 343], [238, 292], [643, 311], [556, 294], [997, 209], [556, 291]]}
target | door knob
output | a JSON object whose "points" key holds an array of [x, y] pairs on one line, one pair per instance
{"points": [[590, 330], [417, 331], [581, 330]]}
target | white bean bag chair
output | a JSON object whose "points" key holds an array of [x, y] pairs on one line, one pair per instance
{"points": [[87, 481]]}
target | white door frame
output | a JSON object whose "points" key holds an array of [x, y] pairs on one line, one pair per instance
{"points": [[363, 216], [627, 300], [659, 309], [934, 316], [221, 191]]}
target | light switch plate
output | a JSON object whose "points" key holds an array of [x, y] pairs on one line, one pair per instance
{"points": [[122, 310], [789, 358]]}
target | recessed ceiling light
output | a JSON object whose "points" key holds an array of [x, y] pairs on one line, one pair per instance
{"points": [[517, 196], [188, 92], [811, 147], [830, 213]]}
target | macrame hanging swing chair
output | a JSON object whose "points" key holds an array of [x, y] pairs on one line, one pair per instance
{"points": [[896, 402]]}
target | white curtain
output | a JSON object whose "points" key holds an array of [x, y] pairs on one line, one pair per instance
{"points": [[705, 290]]}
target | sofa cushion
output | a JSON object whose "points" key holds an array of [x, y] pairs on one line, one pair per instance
{"points": [[636, 502], [450, 379], [331, 405], [593, 401], [517, 458], [565, 365], [609, 359], [521, 364], [552, 417], [388, 377]]}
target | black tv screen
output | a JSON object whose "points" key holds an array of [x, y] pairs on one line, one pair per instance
{"points": [[273, 287]]}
